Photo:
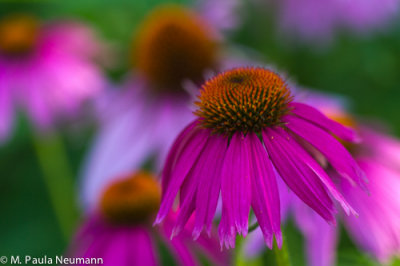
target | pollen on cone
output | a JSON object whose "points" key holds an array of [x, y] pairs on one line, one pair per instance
{"points": [[243, 100]]}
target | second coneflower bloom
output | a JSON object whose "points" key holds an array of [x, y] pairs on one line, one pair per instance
{"points": [[249, 132], [47, 70]]}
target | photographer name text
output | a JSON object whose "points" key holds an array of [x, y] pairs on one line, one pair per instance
{"points": [[45, 260]]}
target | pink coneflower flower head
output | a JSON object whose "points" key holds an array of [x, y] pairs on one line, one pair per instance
{"points": [[376, 230], [120, 231], [173, 46], [249, 131], [45, 70]]}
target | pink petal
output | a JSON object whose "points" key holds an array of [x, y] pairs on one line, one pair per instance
{"points": [[235, 190], [172, 155], [143, 250], [293, 147], [313, 115], [209, 188], [185, 158], [300, 179], [336, 154], [265, 195]]}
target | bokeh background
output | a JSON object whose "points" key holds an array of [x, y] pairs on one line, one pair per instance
{"points": [[363, 67]]}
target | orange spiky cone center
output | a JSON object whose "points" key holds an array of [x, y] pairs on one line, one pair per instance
{"points": [[173, 45], [243, 100], [131, 200], [18, 34]]}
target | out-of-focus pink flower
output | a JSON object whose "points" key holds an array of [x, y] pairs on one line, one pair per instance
{"points": [[247, 133], [377, 228], [47, 70], [314, 19], [320, 237], [224, 14], [120, 230], [174, 49]]}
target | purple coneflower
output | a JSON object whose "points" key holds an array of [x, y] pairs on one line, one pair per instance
{"points": [[248, 132], [377, 228], [120, 231], [45, 69], [173, 46]]}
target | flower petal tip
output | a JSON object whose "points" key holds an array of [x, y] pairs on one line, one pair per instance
{"points": [[175, 232], [196, 233], [158, 220]]}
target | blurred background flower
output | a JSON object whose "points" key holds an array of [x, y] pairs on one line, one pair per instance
{"points": [[173, 51], [376, 229], [46, 70], [318, 21], [119, 229]]}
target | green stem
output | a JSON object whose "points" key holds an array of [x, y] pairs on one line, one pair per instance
{"points": [[282, 254], [396, 262], [58, 179], [253, 227], [239, 259]]}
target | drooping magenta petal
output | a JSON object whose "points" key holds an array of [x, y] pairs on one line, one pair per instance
{"points": [[142, 248], [303, 157], [182, 254], [187, 201], [205, 245], [226, 231], [235, 190], [300, 179], [313, 115], [193, 186], [335, 153], [186, 156], [265, 195], [376, 229], [116, 252], [201, 187], [319, 236], [176, 246], [209, 187], [173, 155]]}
